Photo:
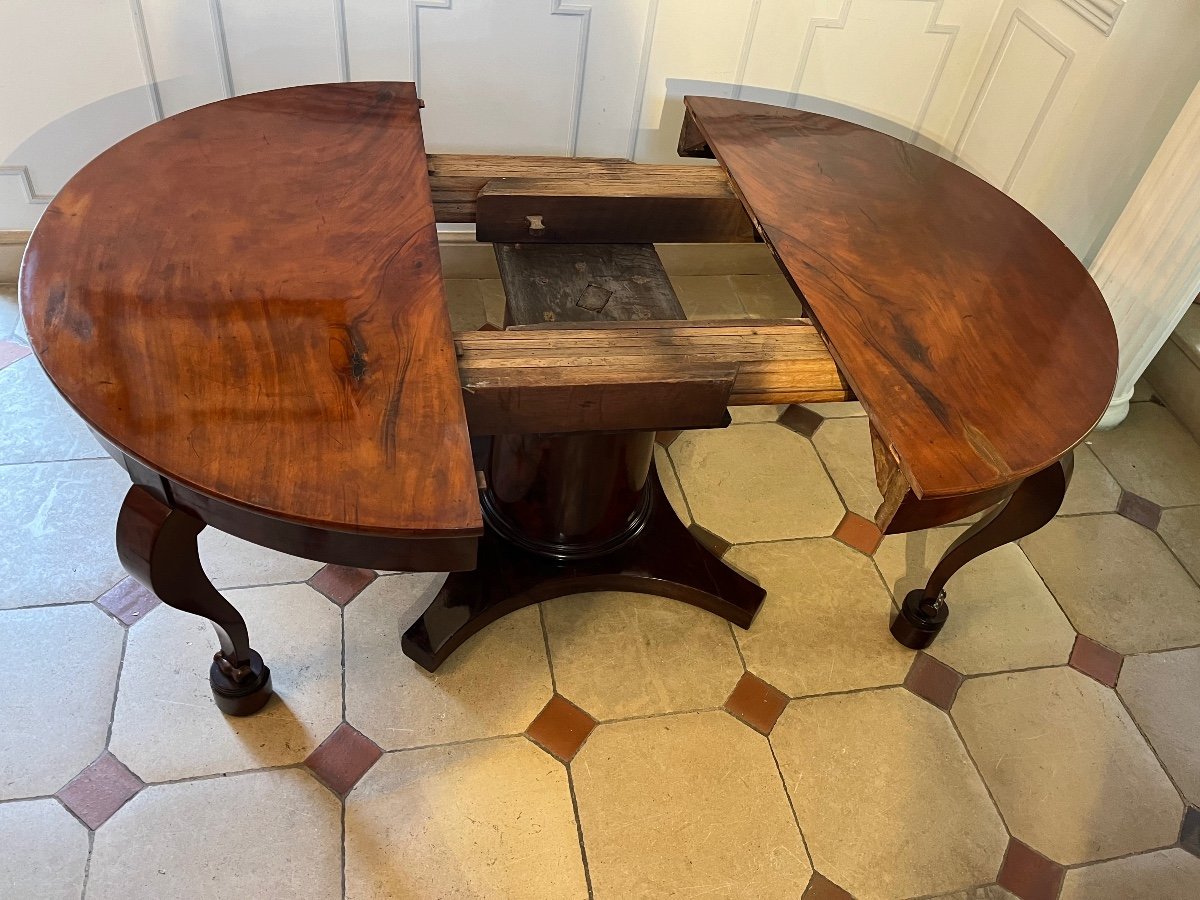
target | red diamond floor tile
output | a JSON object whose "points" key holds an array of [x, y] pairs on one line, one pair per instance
{"points": [[821, 888], [128, 601], [1139, 509], [1028, 874], [859, 533], [341, 584], [560, 728], [343, 758], [100, 790], [11, 351], [1096, 661], [801, 420], [1189, 832], [756, 703], [933, 680]]}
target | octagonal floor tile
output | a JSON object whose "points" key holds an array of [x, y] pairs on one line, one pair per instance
{"points": [[888, 799], [38, 424], [756, 482], [1117, 583], [62, 516], [686, 805], [494, 684], [617, 654], [1163, 875], [745, 415], [1072, 775], [1151, 454], [824, 624], [10, 311], [845, 446], [231, 562], [258, 834], [707, 297], [1180, 528], [1001, 614], [1160, 691], [1092, 488], [485, 819], [55, 713], [166, 724], [43, 851], [767, 296]]}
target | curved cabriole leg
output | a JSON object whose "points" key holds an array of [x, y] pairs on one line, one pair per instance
{"points": [[1032, 505], [157, 545]]}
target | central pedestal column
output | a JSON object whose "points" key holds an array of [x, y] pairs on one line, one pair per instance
{"points": [[571, 513]]}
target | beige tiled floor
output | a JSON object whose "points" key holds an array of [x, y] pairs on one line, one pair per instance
{"points": [[878, 791]]}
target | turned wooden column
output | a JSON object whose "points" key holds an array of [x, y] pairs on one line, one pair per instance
{"points": [[1149, 267]]}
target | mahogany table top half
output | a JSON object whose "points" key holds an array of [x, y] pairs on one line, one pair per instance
{"points": [[245, 303], [247, 299]]}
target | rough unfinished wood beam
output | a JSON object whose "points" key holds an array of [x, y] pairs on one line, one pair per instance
{"points": [[638, 375]]}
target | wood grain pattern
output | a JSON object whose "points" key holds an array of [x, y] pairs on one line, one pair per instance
{"points": [[247, 299], [977, 342]]}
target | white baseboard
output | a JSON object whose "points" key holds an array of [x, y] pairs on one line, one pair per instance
{"points": [[463, 257]]}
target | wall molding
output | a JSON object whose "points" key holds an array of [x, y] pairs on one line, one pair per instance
{"points": [[414, 14], [1019, 18], [739, 75], [341, 40], [932, 26], [25, 180], [224, 66], [1100, 14], [639, 97], [143, 42], [584, 12]]}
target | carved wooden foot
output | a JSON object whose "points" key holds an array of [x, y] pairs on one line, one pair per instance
{"points": [[664, 558], [157, 545], [1032, 505]]}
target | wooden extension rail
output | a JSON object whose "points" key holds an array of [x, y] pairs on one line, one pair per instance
{"points": [[563, 199], [657, 375]]}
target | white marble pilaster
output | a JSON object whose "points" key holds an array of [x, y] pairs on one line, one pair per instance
{"points": [[1149, 267]]}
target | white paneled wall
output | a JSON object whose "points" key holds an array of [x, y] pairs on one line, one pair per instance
{"points": [[1060, 102]]}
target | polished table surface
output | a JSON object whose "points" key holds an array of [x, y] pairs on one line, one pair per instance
{"points": [[977, 342], [247, 298]]}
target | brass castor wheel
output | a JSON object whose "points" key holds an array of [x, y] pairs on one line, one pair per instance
{"points": [[240, 697], [919, 620]]}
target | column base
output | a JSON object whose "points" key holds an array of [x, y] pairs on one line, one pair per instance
{"points": [[663, 559]]}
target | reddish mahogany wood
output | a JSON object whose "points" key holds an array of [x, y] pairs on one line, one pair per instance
{"points": [[978, 344], [247, 298]]}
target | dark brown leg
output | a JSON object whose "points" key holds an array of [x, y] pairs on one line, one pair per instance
{"points": [[1031, 506], [589, 514], [157, 545]]}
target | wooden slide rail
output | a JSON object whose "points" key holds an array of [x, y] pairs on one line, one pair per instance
{"points": [[638, 375], [586, 200]]}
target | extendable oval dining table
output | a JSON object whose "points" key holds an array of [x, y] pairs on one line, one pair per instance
{"points": [[245, 304]]}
